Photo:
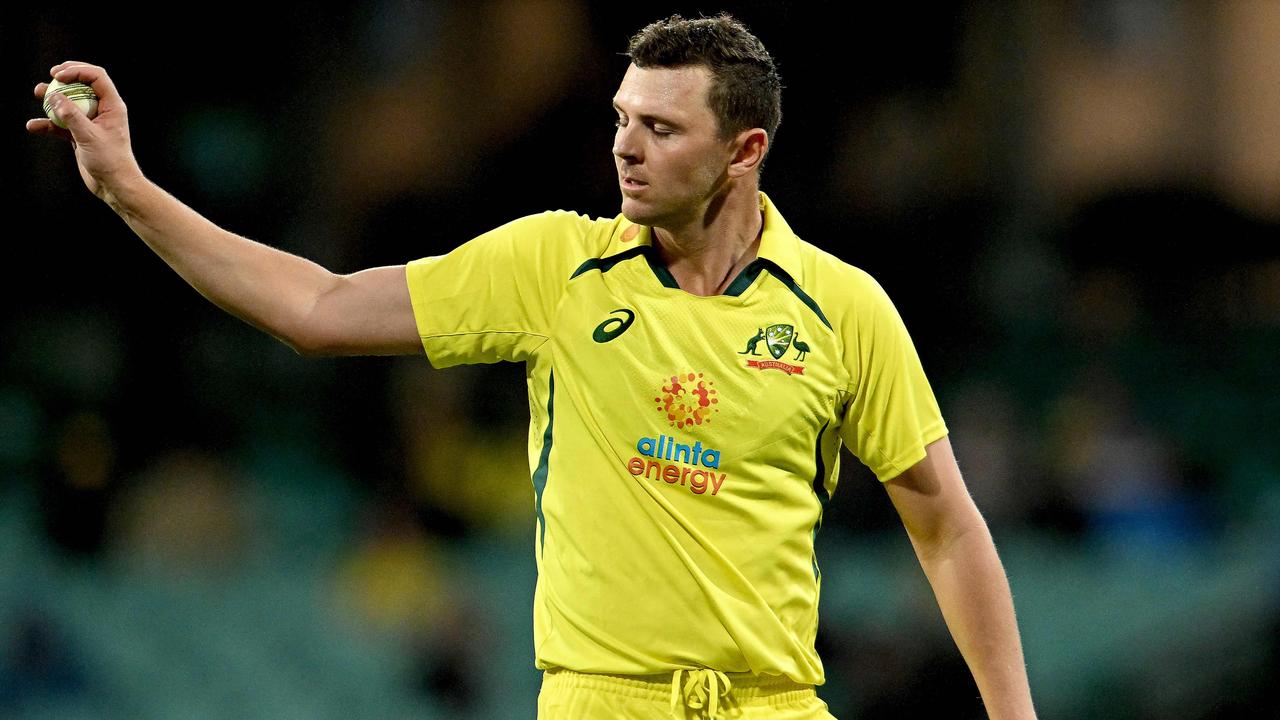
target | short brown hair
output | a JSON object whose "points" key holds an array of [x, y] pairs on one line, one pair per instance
{"points": [[746, 91]]}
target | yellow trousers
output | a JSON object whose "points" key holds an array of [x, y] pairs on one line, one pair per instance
{"points": [[682, 695]]}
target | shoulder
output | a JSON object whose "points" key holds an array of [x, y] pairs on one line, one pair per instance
{"points": [[844, 291], [573, 227], [562, 235]]}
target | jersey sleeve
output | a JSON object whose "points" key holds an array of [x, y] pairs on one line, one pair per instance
{"points": [[493, 298], [891, 414]]}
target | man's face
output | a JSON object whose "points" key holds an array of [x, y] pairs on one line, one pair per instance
{"points": [[671, 160]]}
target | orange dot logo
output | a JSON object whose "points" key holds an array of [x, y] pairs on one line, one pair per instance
{"points": [[688, 399]]}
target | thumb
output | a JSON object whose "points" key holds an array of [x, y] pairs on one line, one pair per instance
{"points": [[68, 115]]}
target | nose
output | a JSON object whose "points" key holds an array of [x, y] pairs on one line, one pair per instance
{"points": [[625, 146]]}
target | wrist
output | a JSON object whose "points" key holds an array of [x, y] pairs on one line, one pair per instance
{"points": [[123, 190]]}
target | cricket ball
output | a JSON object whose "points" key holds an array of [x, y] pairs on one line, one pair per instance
{"points": [[79, 93]]}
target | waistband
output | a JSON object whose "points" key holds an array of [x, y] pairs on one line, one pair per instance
{"points": [[699, 689]]}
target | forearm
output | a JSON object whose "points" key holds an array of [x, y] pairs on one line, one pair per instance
{"points": [[270, 289], [973, 593]]}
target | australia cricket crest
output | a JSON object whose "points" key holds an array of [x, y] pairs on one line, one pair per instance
{"points": [[778, 338]]}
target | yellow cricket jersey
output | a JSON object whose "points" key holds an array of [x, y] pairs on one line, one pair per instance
{"points": [[681, 447]]}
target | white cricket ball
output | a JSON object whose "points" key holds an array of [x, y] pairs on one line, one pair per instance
{"points": [[79, 93]]}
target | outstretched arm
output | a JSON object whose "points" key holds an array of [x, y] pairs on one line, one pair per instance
{"points": [[958, 556], [299, 302]]}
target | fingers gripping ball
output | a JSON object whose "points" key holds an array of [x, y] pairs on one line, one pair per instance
{"points": [[79, 93]]}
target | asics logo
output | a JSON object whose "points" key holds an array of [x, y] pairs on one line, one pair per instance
{"points": [[614, 326]]}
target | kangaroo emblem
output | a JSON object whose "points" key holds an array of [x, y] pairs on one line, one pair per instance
{"points": [[802, 348], [753, 342]]}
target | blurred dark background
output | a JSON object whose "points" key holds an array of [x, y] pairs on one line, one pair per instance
{"points": [[1074, 205]]}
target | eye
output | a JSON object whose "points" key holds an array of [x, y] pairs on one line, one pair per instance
{"points": [[658, 128]]}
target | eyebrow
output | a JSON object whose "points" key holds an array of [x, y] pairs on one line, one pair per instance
{"points": [[647, 118]]}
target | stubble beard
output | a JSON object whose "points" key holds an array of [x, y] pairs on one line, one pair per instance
{"points": [[673, 214]]}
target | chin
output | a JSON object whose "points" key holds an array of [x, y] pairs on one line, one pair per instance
{"points": [[636, 212]]}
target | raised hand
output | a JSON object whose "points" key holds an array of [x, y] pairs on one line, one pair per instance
{"points": [[104, 153]]}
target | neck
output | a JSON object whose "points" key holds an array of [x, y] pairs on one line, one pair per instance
{"points": [[706, 254]]}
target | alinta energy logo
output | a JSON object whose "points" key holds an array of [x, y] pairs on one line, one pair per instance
{"points": [[777, 340], [686, 399]]}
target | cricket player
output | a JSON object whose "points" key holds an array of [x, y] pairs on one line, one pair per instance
{"points": [[693, 370]]}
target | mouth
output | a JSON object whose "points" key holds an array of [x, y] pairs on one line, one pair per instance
{"points": [[630, 183]]}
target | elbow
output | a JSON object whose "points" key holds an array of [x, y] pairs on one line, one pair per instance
{"points": [[309, 333], [310, 342], [947, 539], [323, 328], [312, 346], [307, 350]]}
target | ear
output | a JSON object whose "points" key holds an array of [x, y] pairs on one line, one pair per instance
{"points": [[749, 148]]}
